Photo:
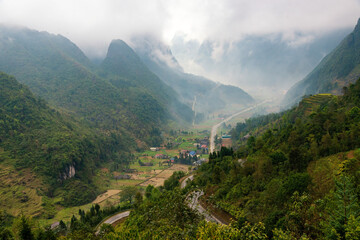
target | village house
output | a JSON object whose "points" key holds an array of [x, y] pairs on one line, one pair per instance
{"points": [[192, 154]]}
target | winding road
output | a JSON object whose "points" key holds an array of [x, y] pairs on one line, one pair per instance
{"points": [[113, 219], [185, 181], [193, 201], [117, 217], [216, 126]]}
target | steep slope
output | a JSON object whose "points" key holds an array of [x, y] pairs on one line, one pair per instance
{"points": [[56, 69], [210, 96], [123, 66], [298, 157], [58, 149], [336, 70]]}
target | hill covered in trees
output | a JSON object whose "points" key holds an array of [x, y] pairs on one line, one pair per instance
{"points": [[122, 96], [60, 150]]}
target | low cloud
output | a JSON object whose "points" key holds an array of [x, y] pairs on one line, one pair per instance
{"points": [[92, 24]]}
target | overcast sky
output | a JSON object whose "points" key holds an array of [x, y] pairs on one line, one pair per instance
{"points": [[92, 24]]}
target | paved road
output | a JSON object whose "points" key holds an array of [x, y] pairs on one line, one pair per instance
{"points": [[193, 202], [194, 110], [117, 217], [113, 219], [184, 182], [216, 126]]}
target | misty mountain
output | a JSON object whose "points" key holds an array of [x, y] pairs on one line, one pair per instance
{"points": [[123, 66], [55, 69], [335, 71], [262, 65], [210, 96]]}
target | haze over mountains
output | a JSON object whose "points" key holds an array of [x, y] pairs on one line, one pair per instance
{"points": [[263, 65], [209, 96], [339, 68]]}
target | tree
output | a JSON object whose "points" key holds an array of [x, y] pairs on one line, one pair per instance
{"points": [[277, 157], [25, 229], [128, 193], [345, 206]]}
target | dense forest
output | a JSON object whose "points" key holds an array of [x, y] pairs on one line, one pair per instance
{"points": [[298, 172], [59, 149]]}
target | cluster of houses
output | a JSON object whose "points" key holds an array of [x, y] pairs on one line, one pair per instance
{"points": [[186, 156]]}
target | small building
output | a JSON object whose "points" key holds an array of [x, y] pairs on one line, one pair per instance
{"points": [[199, 162], [154, 149], [192, 153]]}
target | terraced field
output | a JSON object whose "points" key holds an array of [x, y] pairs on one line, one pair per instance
{"points": [[311, 103]]}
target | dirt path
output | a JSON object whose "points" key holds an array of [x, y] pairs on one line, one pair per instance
{"points": [[106, 195]]}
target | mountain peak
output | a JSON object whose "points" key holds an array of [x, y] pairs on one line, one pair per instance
{"points": [[118, 48], [357, 27], [153, 49], [121, 59]]}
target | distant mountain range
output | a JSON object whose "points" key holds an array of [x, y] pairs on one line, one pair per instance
{"points": [[210, 96], [339, 68], [261, 65]]}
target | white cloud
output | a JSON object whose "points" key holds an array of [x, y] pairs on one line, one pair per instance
{"points": [[92, 24]]}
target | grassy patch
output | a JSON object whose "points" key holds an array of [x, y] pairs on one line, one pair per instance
{"points": [[19, 191]]}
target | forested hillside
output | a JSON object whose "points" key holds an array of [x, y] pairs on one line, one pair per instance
{"points": [[298, 171], [131, 104], [59, 150], [295, 177], [336, 70]]}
